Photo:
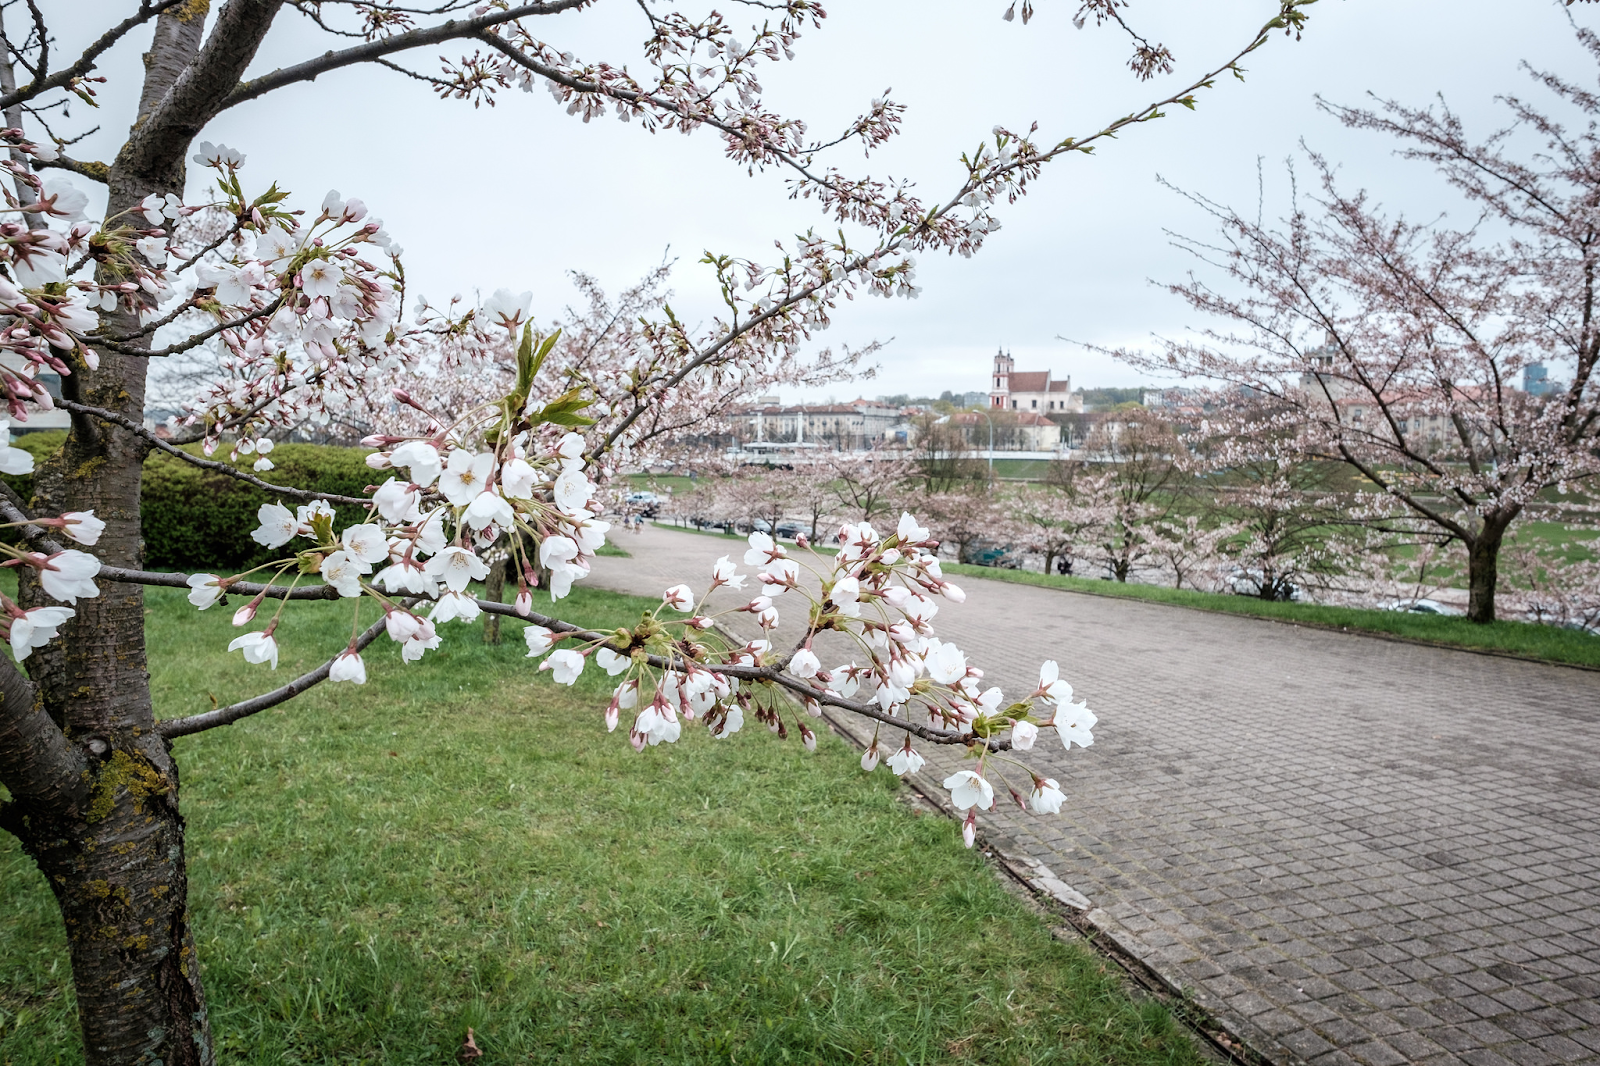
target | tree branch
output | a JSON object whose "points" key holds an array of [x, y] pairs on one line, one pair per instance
{"points": [[86, 62], [199, 723], [162, 579], [86, 169], [193, 341], [772, 674], [40, 767], [375, 50], [132, 426]]}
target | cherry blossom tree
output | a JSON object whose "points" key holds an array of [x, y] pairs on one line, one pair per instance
{"points": [[1061, 517], [1144, 476], [1191, 549], [1395, 347], [303, 308], [1553, 587], [870, 485]]}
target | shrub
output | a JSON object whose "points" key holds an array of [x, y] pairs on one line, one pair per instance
{"points": [[200, 520]]}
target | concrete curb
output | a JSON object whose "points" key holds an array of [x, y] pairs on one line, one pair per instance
{"points": [[1233, 1038]]}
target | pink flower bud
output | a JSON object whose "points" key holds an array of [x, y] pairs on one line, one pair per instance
{"points": [[969, 828], [524, 604]]}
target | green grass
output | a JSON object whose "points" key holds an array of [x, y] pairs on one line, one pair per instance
{"points": [[664, 483], [1517, 638], [459, 843], [1024, 469]]}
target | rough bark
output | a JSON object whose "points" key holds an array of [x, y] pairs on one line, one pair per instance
{"points": [[114, 856], [1483, 566]]}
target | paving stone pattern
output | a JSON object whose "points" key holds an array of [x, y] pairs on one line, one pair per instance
{"points": [[1349, 850]]}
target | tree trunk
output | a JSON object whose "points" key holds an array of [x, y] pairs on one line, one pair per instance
{"points": [[113, 852], [117, 864], [1483, 567]]}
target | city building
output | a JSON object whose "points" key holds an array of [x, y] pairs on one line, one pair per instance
{"points": [[1536, 380], [851, 426], [1030, 390], [1012, 431]]}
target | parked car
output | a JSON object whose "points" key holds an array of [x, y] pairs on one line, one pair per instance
{"points": [[645, 503], [786, 528], [992, 553], [1422, 606]]}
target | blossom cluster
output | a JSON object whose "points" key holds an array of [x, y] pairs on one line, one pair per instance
{"points": [[448, 511], [876, 597], [304, 318]]}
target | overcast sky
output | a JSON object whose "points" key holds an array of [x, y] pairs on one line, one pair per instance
{"points": [[517, 195]]}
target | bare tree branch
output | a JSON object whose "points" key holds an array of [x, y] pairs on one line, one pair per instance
{"points": [[134, 426], [387, 46], [86, 62], [199, 723]]}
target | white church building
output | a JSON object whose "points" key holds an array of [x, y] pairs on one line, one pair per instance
{"points": [[1031, 390]]}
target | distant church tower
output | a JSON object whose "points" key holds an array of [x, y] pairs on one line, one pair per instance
{"points": [[1000, 394]]}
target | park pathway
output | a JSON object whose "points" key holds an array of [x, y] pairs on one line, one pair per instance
{"points": [[1347, 849]]}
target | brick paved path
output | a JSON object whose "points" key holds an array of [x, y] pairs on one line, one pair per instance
{"points": [[1350, 850]]}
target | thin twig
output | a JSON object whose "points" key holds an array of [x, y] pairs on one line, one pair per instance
{"points": [[118, 419], [199, 723]]}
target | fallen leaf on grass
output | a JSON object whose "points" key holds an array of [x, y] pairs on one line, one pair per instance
{"points": [[470, 1051]]}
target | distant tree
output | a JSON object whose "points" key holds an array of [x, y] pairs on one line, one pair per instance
{"points": [[1144, 482], [871, 485], [944, 458], [1393, 346]]}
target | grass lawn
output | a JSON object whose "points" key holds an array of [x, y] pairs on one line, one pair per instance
{"points": [[459, 843], [1519, 638]]}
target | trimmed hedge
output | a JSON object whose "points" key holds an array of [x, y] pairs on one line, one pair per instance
{"points": [[201, 520], [197, 519]]}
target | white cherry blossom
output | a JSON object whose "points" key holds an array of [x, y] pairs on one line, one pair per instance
{"points": [[968, 788], [82, 526], [539, 639], [278, 526], [804, 663], [258, 647], [612, 663], [564, 665], [465, 476], [906, 761], [1047, 797], [348, 667], [69, 575], [456, 567], [344, 572], [366, 543], [204, 589], [36, 628]]}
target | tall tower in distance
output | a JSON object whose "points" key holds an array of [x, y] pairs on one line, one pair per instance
{"points": [[1000, 394]]}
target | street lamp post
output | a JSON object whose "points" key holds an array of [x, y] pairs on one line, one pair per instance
{"points": [[989, 420]]}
